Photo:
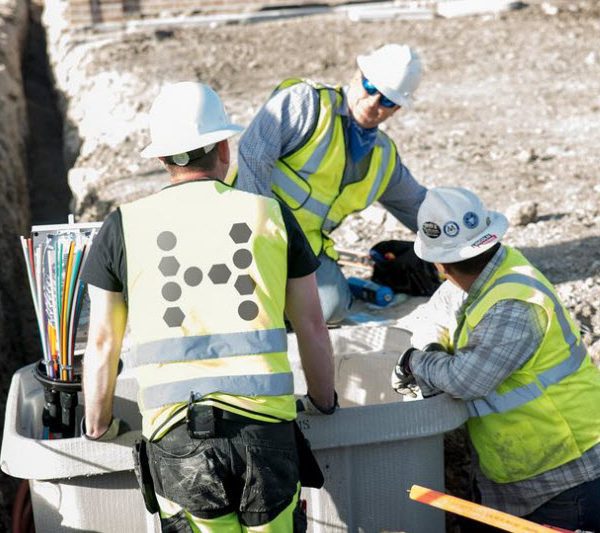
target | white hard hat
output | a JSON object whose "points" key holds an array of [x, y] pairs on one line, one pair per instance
{"points": [[395, 70], [453, 224], [186, 116]]}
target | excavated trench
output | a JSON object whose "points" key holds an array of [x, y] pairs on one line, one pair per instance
{"points": [[49, 193], [49, 203]]}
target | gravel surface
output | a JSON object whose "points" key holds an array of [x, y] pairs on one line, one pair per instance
{"points": [[509, 106]]}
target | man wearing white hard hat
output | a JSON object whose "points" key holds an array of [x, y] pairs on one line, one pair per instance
{"points": [[511, 350], [319, 149], [203, 274]]}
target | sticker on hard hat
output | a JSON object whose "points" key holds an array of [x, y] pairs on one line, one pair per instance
{"points": [[487, 238], [431, 229], [451, 229], [471, 219]]}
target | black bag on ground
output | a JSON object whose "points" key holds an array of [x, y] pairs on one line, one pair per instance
{"points": [[397, 266]]}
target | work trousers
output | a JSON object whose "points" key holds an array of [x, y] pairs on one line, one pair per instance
{"points": [[242, 479], [577, 508]]}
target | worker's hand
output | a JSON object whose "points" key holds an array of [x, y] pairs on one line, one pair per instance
{"points": [[117, 427], [434, 347], [403, 382], [305, 404]]}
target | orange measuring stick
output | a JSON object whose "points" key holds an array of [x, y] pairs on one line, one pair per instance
{"points": [[481, 513]]}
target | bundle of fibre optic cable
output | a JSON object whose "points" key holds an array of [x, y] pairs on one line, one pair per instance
{"points": [[54, 257]]}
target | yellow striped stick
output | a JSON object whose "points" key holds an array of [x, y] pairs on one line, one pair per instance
{"points": [[481, 513]]}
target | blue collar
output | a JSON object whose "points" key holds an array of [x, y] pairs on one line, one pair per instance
{"points": [[361, 139]]}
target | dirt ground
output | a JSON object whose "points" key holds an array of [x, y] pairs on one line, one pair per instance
{"points": [[509, 106]]}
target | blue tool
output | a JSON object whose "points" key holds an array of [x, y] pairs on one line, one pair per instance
{"points": [[370, 291]]}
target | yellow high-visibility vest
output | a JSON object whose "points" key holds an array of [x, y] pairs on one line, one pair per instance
{"points": [[206, 279], [547, 413], [309, 180]]}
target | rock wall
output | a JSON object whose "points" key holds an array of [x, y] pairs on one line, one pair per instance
{"points": [[17, 326], [99, 144]]}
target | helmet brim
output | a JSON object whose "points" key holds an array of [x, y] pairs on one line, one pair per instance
{"points": [[371, 72], [155, 149]]}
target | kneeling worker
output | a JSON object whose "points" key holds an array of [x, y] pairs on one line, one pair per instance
{"points": [[321, 150], [204, 274], [510, 349]]}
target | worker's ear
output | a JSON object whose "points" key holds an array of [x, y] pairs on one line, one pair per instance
{"points": [[223, 152]]}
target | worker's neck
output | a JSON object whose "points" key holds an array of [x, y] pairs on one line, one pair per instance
{"points": [[460, 279], [194, 175], [464, 281]]}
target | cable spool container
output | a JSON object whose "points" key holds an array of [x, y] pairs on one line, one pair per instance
{"points": [[75, 484], [54, 257]]}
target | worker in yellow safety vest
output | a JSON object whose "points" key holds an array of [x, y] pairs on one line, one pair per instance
{"points": [[204, 273], [497, 336], [320, 150]]}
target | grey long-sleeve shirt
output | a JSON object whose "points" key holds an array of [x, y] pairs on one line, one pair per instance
{"points": [[284, 123], [503, 341]]}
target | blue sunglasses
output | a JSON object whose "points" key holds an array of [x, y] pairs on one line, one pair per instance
{"points": [[384, 101]]}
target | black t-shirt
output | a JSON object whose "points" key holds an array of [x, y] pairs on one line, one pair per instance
{"points": [[106, 266]]}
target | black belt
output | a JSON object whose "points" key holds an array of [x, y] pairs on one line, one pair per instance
{"points": [[221, 414]]}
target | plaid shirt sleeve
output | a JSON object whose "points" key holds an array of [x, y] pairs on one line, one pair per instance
{"points": [[502, 342], [279, 127]]}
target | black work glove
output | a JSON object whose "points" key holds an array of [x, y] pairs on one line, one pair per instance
{"points": [[403, 381], [434, 347], [307, 405]]}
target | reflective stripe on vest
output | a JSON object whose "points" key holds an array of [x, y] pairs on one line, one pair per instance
{"points": [[499, 403], [290, 187], [319, 209], [309, 180], [252, 385], [209, 347]]}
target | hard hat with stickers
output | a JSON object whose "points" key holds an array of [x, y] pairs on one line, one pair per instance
{"points": [[453, 225]]}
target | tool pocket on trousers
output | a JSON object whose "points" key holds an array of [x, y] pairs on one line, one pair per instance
{"points": [[141, 467], [271, 478], [195, 482]]}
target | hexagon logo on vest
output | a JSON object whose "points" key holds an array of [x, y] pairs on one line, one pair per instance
{"points": [[218, 273]]}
